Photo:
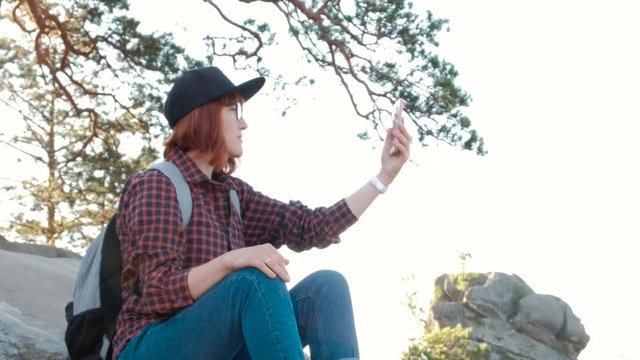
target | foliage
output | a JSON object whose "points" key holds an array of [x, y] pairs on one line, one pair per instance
{"points": [[440, 344], [379, 50], [464, 280], [438, 295], [84, 80], [463, 257], [417, 311], [445, 344]]}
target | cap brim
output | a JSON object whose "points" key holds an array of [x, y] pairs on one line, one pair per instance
{"points": [[250, 88]]}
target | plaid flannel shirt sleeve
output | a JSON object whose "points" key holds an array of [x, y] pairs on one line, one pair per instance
{"points": [[266, 220], [155, 244]]}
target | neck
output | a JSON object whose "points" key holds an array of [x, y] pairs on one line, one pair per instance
{"points": [[202, 165]]}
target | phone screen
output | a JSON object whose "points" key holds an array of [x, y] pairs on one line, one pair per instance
{"points": [[397, 119], [399, 107]]}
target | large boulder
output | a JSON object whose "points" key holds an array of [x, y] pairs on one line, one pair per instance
{"points": [[508, 317], [36, 282]]}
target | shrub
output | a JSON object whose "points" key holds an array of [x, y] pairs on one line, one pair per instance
{"points": [[445, 344]]}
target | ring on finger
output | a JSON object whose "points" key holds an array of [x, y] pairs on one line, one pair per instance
{"points": [[266, 261]]}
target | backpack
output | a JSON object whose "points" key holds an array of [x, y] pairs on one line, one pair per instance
{"points": [[97, 298]]}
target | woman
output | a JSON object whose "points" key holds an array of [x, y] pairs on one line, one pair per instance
{"points": [[216, 289]]}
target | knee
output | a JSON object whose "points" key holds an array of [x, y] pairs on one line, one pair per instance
{"points": [[254, 279], [331, 282], [250, 272], [329, 277]]}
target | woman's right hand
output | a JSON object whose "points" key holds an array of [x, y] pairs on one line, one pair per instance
{"points": [[264, 257]]}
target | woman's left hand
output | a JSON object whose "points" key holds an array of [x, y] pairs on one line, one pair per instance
{"points": [[392, 161]]}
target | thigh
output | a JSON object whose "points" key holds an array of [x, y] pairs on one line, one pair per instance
{"points": [[211, 328]]}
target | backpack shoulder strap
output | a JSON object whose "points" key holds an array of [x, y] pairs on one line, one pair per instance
{"points": [[235, 202], [171, 171]]}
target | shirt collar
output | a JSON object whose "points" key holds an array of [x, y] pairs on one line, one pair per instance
{"points": [[192, 173], [187, 167]]}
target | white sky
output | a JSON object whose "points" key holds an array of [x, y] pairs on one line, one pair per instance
{"points": [[554, 87]]}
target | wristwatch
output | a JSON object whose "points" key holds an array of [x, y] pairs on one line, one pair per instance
{"points": [[378, 184]]}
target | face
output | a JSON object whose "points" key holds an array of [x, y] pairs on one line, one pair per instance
{"points": [[232, 126]]}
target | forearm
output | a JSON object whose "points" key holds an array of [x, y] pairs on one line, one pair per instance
{"points": [[360, 200], [203, 277], [299, 227]]}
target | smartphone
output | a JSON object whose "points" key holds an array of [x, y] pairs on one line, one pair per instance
{"points": [[397, 118], [399, 107]]}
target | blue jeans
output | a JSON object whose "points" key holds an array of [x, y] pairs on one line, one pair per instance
{"points": [[250, 316]]}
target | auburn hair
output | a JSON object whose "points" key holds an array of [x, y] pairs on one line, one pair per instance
{"points": [[200, 132]]}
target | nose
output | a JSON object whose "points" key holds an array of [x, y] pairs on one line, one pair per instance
{"points": [[243, 124]]}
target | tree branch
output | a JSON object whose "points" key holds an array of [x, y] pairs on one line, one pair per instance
{"points": [[33, 156], [255, 35]]}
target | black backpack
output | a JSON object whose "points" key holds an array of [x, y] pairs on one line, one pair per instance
{"points": [[97, 298]]}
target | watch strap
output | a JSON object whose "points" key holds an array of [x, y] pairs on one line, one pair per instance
{"points": [[375, 181]]}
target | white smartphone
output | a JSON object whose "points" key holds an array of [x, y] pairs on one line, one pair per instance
{"points": [[399, 107], [397, 118]]}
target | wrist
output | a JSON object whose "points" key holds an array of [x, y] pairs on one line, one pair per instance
{"points": [[385, 178], [378, 183], [226, 264]]}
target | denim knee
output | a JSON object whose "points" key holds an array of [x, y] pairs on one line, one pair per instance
{"points": [[326, 288], [330, 277], [251, 272], [252, 279], [329, 280]]}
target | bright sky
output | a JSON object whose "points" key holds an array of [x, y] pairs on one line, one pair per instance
{"points": [[554, 88]]}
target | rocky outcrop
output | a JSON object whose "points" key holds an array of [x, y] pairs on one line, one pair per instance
{"points": [[35, 284], [512, 320]]}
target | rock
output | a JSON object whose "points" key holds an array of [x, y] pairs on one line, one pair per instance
{"points": [[512, 320], [35, 249], [21, 341], [550, 320], [36, 282], [498, 296]]}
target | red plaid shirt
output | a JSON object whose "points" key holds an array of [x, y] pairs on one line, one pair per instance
{"points": [[157, 252]]}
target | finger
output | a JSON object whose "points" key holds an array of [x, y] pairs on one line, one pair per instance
{"points": [[275, 259], [401, 132], [406, 143], [402, 149], [388, 139], [273, 255], [283, 274], [279, 268], [264, 267], [403, 137]]}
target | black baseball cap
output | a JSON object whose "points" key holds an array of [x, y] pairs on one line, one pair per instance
{"points": [[199, 86]]}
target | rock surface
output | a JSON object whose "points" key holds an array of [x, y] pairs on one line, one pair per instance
{"points": [[508, 316], [35, 284]]}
